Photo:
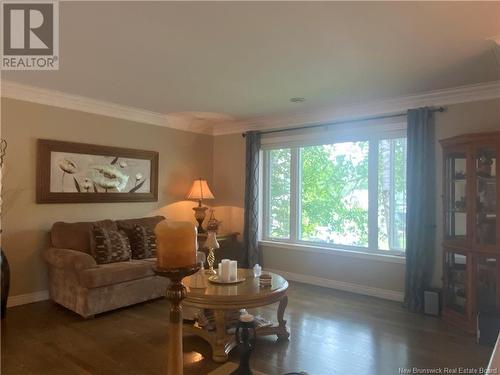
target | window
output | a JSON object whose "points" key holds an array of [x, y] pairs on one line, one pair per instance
{"points": [[334, 193], [279, 193], [341, 194], [392, 194]]}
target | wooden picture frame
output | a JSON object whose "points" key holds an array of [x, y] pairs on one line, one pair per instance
{"points": [[102, 174]]}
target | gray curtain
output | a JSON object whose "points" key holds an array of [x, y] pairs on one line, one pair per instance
{"points": [[421, 206], [251, 224]]}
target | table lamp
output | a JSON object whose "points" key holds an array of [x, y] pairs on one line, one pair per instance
{"points": [[199, 191]]}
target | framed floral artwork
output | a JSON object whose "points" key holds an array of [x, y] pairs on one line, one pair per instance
{"points": [[70, 172]]}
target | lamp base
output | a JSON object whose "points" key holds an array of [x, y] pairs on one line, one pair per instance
{"points": [[199, 215]]}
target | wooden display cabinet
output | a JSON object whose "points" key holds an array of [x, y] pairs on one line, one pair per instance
{"points": [[471, 246]]}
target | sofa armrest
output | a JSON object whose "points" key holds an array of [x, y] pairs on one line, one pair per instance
{"points": [[66, 258]]}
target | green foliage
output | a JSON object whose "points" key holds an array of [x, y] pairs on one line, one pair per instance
{"points": [[334, 193], [400, 193], [329, 207], [279, 193], [392, 199]]}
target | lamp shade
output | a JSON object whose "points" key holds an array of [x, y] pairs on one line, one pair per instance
{"points": [[200, 190]]}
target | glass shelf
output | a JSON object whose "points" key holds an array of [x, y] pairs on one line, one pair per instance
{"points": [[486, 284], [456, 281], [486, 194], [455, 197]]}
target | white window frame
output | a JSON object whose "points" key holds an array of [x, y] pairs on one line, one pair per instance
{"points": [[370, 132]]}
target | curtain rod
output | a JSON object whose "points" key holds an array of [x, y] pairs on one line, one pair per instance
{"points": [[381, 117]]}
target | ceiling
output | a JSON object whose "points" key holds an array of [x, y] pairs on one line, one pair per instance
{"points": [[247, 59]]}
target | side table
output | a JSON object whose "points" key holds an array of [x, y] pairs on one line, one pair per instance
{"points": [[247, 294]]}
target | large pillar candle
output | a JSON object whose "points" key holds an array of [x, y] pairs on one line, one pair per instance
{"points": [[176, 244]]}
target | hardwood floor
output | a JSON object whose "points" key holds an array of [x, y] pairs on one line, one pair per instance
{"points": [[332, 332]]}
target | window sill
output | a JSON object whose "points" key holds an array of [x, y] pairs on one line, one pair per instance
{"points": [[387, 258]]}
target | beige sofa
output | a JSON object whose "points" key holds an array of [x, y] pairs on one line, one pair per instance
{"points": [[77, 282]]}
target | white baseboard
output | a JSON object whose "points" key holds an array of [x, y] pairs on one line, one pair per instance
{"points": [[392, 295], [23, 299]]}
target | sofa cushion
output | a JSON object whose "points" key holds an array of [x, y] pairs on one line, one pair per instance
{"points": [[128, 225], [76, 236], [143, 242], [114, 273], [109, 246]]}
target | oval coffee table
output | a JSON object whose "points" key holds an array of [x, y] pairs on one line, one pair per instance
{"points": [[247, 294]]}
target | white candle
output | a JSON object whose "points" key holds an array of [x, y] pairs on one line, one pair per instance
{"points": [[233, 270], [225, 270], [219, 270]]}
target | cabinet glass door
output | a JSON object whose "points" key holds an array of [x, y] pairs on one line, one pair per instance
{"points": [[486, 284], [456, 282], [455, 200], [486, 194]]}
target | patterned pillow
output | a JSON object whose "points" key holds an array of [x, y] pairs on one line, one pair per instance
{"points": [[109, 246], [143, 242]]}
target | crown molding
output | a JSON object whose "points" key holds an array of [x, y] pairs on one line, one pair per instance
{"points": [[54, 98], [456, 95], [461, 94]]}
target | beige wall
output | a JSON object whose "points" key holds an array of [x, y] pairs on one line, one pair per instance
{"points": [[229, 160], [229, 181], [183, 156]]}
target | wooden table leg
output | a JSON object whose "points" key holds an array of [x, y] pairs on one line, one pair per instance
{"points": [[219, 353], [283, 333]]}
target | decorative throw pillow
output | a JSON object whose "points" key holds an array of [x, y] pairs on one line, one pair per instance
{"points": [[143, 242], [109, 246]]}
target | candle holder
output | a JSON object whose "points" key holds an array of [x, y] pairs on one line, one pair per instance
{"points": [[211, 244], [210, 261], [176, 292]]}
